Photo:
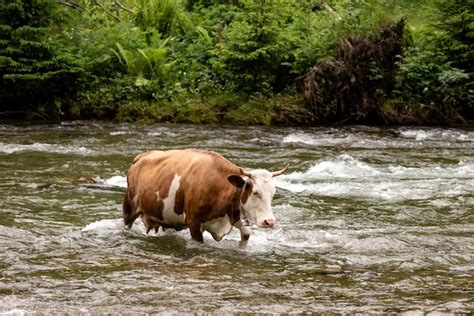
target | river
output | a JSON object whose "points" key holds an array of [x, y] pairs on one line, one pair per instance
{"points": [[370, 220]]}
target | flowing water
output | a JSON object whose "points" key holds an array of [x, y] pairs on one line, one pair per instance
{"points": [[370, 220]]}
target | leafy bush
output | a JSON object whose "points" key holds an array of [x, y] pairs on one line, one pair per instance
{"points": [[123, 62], [255, 52]]}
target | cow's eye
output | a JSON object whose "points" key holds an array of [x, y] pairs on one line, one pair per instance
{"points": [[255, 193]]}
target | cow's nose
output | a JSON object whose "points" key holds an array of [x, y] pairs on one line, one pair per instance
{"points": [[269, 223]]}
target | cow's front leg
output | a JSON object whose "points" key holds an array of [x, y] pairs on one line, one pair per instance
{"points": [[244, 228]]}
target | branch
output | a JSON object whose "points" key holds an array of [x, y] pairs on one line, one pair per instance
{"points": [[330, 9], [70, 4], [123, 7], [107, 11]]}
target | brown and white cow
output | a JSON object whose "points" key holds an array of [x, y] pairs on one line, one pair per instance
{"points": [[200, 190]]}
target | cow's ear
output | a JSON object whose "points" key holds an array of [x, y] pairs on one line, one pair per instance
{"points": [[236, 180]]}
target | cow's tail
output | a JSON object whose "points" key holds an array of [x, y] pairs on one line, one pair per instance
{"points": [[129, 216]]}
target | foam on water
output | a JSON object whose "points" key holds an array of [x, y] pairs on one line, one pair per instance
{"points": [[329, 177], [163, 133], [343, 166], [463, 169], [104, 226], [400, 138], [437, 134], [16, 312], [120, 133], [324, 139], [42, 147], [117, 181], [310, 139]]}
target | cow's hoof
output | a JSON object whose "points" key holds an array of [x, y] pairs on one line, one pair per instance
{"points": [[244, 239], [243, 243]]}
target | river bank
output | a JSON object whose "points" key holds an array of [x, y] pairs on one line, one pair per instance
{"points": [[281, 110]]}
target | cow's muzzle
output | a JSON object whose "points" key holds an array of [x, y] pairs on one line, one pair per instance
{"points": [[269, 223]]}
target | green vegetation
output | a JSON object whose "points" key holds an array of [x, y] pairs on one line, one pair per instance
{"points": [[238, 61], [37, 71]]}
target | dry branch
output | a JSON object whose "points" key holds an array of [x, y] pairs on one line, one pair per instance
{"points": [[352, 85]]}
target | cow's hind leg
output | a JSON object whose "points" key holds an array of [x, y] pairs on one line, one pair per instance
{"points": [[130, 212], [195, 229], [151, 222]]}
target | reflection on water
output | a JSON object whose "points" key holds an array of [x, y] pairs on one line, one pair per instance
{"points": [[370, 220]]}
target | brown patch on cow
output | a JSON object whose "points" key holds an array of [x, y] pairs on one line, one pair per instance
{"points": [[129, 209], [157, 182], [246, 192], [179, 202]]}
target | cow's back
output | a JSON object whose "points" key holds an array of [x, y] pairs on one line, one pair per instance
{"points": [[192, 165]]}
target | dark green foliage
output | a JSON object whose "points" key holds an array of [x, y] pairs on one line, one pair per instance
{"points": [[437, 74], [36, 74], [456, 21], [255, 52]]}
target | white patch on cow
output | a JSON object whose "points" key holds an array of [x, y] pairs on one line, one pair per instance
{"points": [[218, 227], [169, 215]]}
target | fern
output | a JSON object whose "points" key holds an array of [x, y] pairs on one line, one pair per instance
{"points": [[124, 56], [147, 63]]}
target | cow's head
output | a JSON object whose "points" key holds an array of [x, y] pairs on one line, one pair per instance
{"points": [[256, 195]]}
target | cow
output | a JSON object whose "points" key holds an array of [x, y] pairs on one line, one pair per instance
{"points": [[200, 190]]}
